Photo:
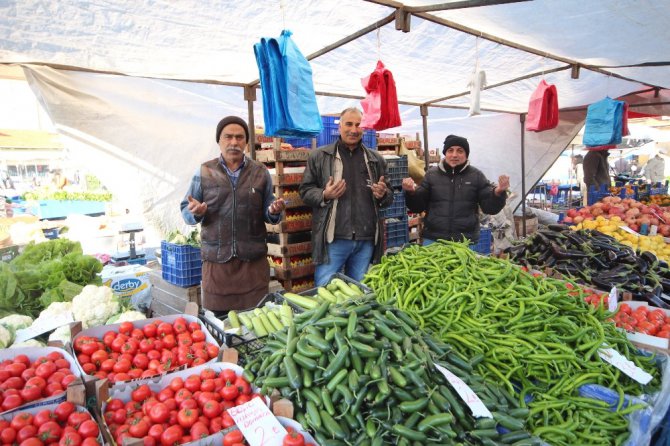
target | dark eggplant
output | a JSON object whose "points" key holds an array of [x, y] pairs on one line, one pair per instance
{"points": [[655, 300], [566, 254]]}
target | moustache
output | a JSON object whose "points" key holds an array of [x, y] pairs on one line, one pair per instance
{"points": [[233, 149]]}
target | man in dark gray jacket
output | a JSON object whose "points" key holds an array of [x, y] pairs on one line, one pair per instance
{"points": [[344, 184], [452, 193]]}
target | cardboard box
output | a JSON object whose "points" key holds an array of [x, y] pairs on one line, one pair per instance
{"points": [[645, 341], [127, 281]]}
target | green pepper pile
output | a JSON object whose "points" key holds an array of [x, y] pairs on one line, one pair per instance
{"points": [[361, 373], [535, 336]]}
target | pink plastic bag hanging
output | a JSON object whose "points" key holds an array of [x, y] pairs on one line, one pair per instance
{"points": [[380, 106]]}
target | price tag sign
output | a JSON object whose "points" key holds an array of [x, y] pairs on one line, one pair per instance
{"points": [[465, 392], [628, 367], [613, 300], [48, 325], [627, 229], [258, 425]]}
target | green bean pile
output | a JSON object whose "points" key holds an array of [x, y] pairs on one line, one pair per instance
{"points": [[536, 337]]}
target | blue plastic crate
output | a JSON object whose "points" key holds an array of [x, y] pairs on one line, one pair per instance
{"points": [[483, 246], [397, 208], [396, 170], [299, 143], [396, 232], [181, 264], [595, 194], [331, 131]]}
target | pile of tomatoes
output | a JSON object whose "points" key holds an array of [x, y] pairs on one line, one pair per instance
{"points": [[23, 380], [64, 426], [136, 352], [595, 298], [643, 319], [186, 410], [292, 438]]}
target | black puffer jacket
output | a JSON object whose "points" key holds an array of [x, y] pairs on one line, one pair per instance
{"points": [[451, 198]]}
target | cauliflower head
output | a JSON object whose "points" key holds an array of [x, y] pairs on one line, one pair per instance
{"points": [[127, 316], [16, 321], [94, 305]]}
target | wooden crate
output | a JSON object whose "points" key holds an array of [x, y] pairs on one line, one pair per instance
{"points": [[287, 179], [294, 272], [297, 285], [168, 297], [271, 156], [289, 249], [289, 226]]}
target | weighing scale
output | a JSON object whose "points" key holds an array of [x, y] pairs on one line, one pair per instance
{"points": [[129, 254]]}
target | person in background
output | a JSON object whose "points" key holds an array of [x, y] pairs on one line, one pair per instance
{"points": [[452, 193], [231, 197], [345, 186], [596, 169], [655, 168]]}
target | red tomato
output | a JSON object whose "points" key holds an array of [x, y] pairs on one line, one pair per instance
{"points": [[16, 368], [89, 429], [122, 366], [293, 439], [21, 420], [63, 411], [233, 437], [229, 392], [182, 394], [215, 425], [70, 439], [193, 383], [7, 435], [164, 329], [53, 389], [90, 441], [226, 420], [176, 384], [242, 398], [155, 431], [22, 359], [50, 432], [211, 409], [198, 336], [77, 418], [229, 375], [141, 361], [199, 430], [26, 432], [30, 393], [190, 403], [159, 413], [243, 385], [187, 417], [169, 341], [180, 325], [172, 435], [149, 330], [139, 428], [141, 393], [115, 404]]}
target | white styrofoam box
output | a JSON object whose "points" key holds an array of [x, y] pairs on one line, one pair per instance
{"points": [[33, 353], [127, 281], [98, 332], [645, 340], [156, 384]]}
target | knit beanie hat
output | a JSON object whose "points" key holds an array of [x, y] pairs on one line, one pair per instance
{"points": [[231, 120], [453, 140]]}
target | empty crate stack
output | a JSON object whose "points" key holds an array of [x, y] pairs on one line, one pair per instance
{"points": [[395, 216], [289, 245]]}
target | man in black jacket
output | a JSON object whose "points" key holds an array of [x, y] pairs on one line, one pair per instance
{"points": [[452, 193], [345, 186]]}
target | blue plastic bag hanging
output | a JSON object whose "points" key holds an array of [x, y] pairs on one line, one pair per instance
{"points": [[604, 123], [289, 102]]}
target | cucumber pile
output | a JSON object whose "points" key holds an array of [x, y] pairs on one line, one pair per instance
{"points": [[336, 291], [360, 373], [262, 321]]}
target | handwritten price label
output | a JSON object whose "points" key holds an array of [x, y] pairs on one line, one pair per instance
{"points": [[258, 425], [465, 392], [628, 367], [613, 300]]}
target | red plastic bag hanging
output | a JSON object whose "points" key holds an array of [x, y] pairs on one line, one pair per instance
{"points": [[380, 106], [624, 120], [542, 108]]}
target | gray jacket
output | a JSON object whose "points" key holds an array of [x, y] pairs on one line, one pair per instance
{"points": [[322, 165], [451, 199]]}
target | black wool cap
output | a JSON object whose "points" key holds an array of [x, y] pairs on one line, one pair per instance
{"points": [[231, 120], [453, 140]]}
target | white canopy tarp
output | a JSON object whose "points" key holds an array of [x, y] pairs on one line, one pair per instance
{"points": [[138, 86]]}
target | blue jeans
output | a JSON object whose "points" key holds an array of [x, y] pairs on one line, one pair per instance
{"points": [[427, 241], [353, 255]]}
